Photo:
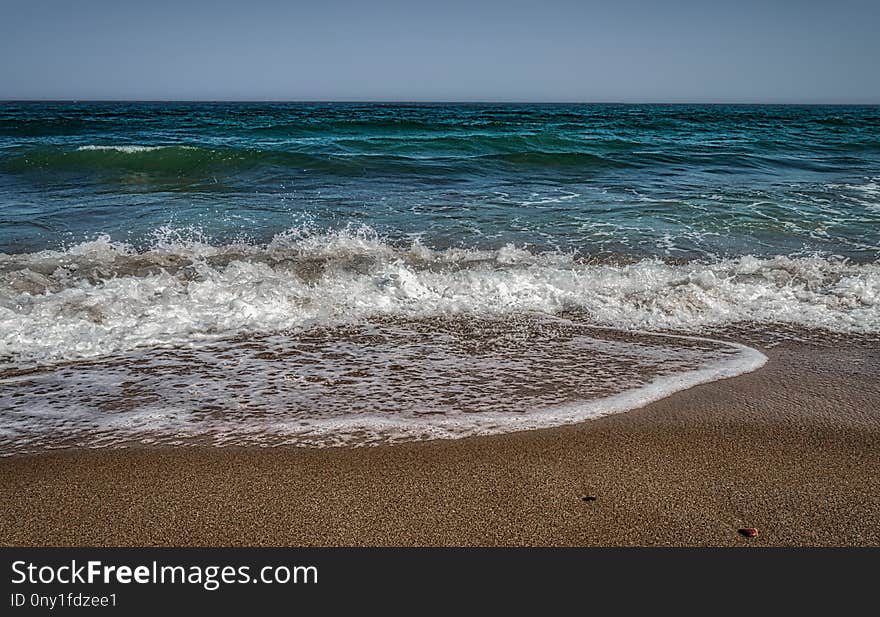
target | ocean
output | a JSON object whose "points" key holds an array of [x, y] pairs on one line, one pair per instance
{"points": [[359, 274]]}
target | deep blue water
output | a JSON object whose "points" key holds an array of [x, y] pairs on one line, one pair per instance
{"points": [[672, 181]]}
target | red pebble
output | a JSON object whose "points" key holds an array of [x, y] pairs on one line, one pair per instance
{"points": [[749, 532]]}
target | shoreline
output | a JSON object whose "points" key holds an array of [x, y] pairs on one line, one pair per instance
{"points": [[580, 389], [792, 449]]}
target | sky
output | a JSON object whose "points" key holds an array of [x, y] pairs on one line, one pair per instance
{"points": [[737, 51]]}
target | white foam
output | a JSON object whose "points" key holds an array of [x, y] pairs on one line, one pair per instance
{"points": [[128, 149], [360, 385], [102, 297], [373, 430]]}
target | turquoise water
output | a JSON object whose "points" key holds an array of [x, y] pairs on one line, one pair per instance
{"points": [[599, 180], [342, 274]]}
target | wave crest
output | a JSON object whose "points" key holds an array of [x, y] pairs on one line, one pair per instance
{"points": [[101, 297]]}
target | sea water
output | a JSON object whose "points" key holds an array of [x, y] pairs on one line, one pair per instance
{"points": [[324, 274]]}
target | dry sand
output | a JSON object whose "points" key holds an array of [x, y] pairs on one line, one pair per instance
{"points": [[792, 449]]}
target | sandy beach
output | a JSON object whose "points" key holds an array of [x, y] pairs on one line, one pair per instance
{"points": [[792, 450]]}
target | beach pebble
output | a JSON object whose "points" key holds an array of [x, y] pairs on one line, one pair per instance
{"points": [[588, 498], [749, 532]]}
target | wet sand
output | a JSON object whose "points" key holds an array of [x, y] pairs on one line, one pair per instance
{"points": [[792, 449]]}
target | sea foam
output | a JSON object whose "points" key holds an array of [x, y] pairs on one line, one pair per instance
{"points": [[127, 148], [376, 382], [102, 297]]}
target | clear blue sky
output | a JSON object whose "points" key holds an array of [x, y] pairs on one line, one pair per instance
{"points": [[446, 50]]}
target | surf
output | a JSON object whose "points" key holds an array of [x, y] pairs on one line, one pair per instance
{"points": [[104, 297], [368, 383]]}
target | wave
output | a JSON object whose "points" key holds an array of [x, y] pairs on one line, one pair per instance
{"points": [[361, 384], [128, 149], [103, 297], [195, 161], [556, 160], [158, 159], [55, 126]]}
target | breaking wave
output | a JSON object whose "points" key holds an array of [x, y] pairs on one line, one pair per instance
{"points": [[103, 297]]}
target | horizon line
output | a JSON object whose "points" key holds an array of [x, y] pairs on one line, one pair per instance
{"points": [[444, 102]]}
